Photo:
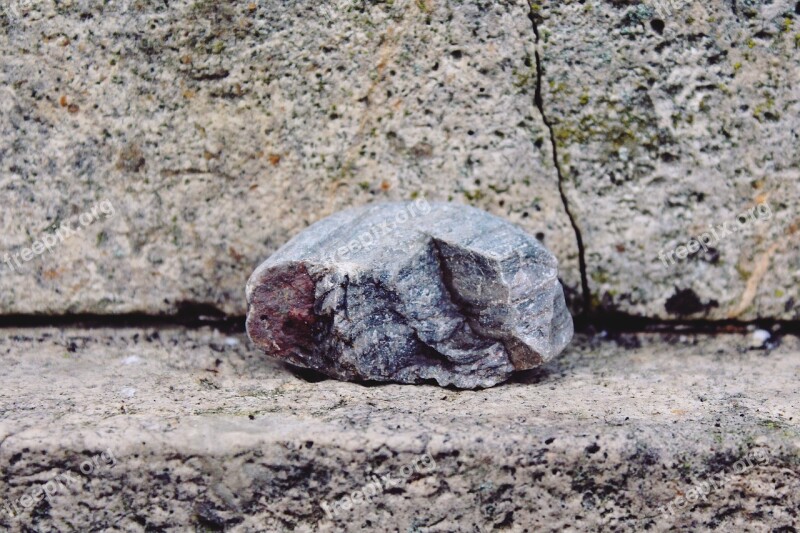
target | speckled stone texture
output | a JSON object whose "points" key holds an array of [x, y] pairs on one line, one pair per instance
{"points": [[664, 124], [207, 436], [199, 120], [411, 291], [220, 129]]}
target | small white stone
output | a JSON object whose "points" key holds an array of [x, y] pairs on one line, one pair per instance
{"points": [[760, 336]]}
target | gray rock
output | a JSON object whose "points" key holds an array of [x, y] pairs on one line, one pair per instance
{"points": [[411, 291]]}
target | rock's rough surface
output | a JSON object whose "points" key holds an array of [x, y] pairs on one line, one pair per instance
{"points": [[411, 291]]}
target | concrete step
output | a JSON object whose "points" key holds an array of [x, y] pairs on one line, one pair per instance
{"points": [[178, 430]]}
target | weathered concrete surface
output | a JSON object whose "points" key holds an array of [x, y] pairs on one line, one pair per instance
{"points": [[666, 124], [205, 434], [219, 129]]}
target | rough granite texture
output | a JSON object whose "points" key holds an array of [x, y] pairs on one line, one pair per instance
{"points": [[205, 435], [408, 292], [666, 124], [220, 129]]}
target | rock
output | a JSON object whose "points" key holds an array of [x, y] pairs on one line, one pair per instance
{"points": [[411, 291], [759, 338]]}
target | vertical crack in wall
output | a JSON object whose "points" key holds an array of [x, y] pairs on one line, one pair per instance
{"points": [[585, 294]]}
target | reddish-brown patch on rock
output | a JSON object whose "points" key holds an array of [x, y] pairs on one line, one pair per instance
{"points": [[281, 318]]}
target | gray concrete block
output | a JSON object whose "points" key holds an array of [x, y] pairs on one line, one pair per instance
{"points": [[172, 430], [669, 124], [219, 130]]}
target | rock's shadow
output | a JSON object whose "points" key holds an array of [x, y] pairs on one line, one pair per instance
{"points": [[306, 374]]}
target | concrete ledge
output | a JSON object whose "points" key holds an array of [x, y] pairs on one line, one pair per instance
{"points": [[169, 430]]}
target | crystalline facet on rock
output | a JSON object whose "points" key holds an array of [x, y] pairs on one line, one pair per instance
{"points": [[410, 292]]}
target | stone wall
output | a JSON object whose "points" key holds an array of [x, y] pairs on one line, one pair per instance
{"points": [[216, 130]]}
